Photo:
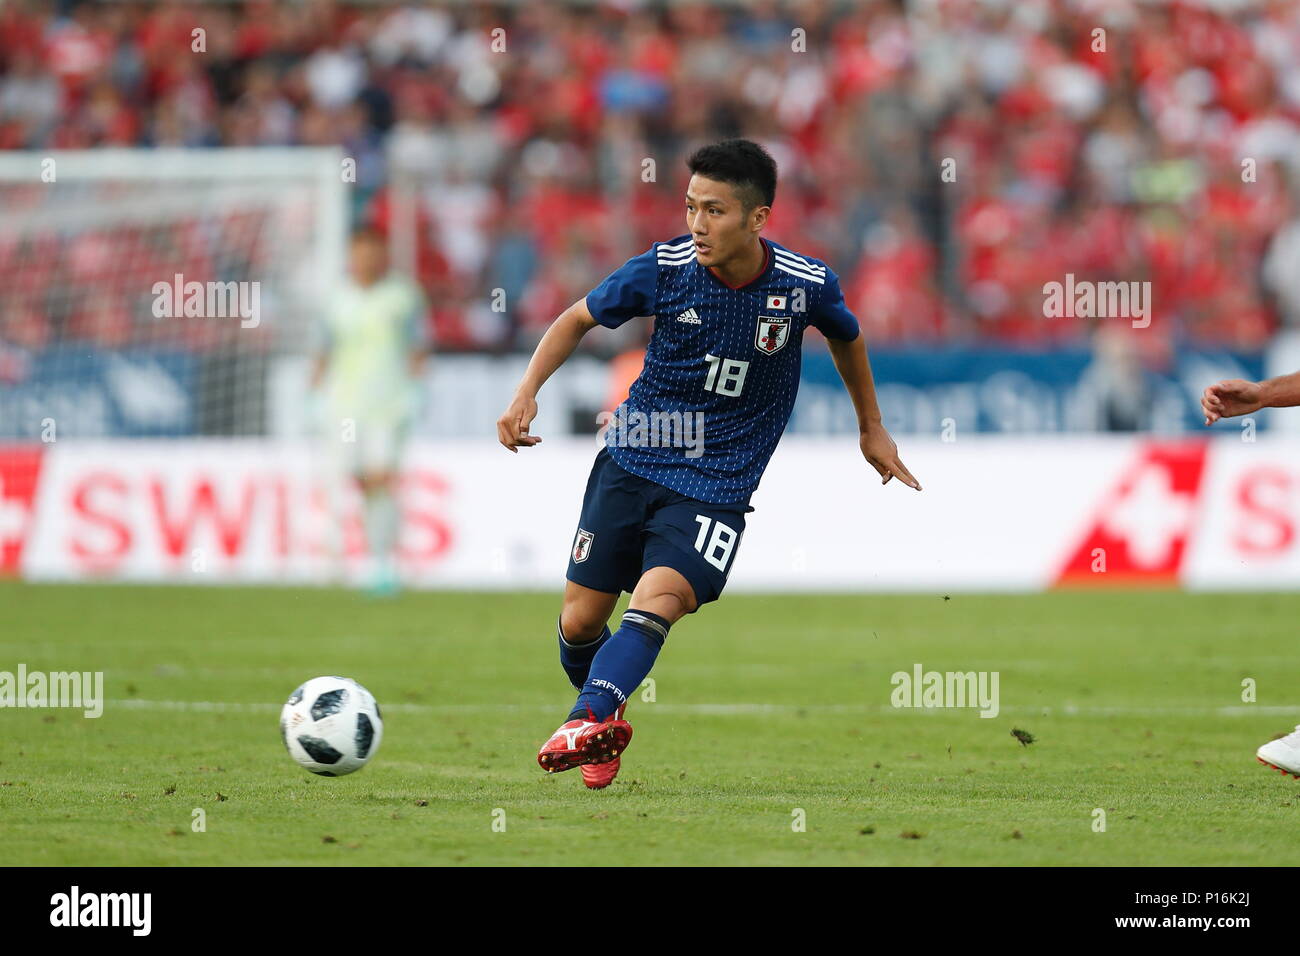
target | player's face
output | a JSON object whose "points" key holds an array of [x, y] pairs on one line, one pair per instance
{"points": [[369, 260], [718, 221]]}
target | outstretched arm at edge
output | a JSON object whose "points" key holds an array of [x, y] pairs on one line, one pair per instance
{"points": [[1238, 397]]}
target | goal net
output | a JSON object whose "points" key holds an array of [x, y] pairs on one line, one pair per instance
{"points": [[151, 293]]}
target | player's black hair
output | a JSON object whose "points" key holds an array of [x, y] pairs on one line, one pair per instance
{"points": [[741, 163]]}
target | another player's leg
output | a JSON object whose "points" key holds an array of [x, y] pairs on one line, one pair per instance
{"points": [[595, 732], [379, 501], [1282, 754], [380, 440], [337, 462]]}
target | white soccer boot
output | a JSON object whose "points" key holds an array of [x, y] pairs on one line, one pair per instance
{"points": [[1282, 754]]}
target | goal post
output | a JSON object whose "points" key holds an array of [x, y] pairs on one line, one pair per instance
{"points": [[151, 292]]}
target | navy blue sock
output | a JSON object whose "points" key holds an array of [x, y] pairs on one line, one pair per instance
{"points": [[621, 665], [576, 658]]}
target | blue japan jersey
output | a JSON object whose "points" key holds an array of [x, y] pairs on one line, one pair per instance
{"points": [[722, 368]]}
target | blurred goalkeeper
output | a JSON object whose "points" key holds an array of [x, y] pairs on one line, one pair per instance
{"points": [[372, 343]]}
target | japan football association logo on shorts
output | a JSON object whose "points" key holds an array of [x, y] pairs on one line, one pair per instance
{"points": [[582, 546], [773, 332]]}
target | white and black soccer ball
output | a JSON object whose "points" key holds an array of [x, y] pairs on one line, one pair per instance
{"points": [[331, 725]]}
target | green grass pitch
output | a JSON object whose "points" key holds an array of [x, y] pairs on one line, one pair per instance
{"points": [[764, 707]]}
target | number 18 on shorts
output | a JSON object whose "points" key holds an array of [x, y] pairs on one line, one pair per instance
{"points": [[629, 525]]}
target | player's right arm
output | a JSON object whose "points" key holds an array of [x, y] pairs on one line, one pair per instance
{"points": [[552, 351], [1238, 397], [627, 292]]}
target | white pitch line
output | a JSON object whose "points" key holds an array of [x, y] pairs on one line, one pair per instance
{"points": [[737, 710]]}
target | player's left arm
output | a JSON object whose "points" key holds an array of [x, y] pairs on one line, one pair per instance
{"points": [[321, 343], [419, 334], [877, 446], [848, 346], [417, 360]]}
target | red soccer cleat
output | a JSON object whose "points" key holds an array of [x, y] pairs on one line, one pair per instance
{"points": [[598, 776], [580, 742]]}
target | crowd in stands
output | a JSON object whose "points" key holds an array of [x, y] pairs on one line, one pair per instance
{"points": [[946, 158]]}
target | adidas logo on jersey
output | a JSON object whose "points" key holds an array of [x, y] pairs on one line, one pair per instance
{"points": [[690, 316]]}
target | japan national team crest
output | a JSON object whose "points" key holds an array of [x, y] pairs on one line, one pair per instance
{"points": [[582, 546], [773, 332]]}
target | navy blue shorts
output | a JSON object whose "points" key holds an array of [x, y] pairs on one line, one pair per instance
{"points": [[630, 524]]}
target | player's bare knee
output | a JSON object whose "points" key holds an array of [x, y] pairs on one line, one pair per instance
{"points": [[581, 623], [585, 612], [374, 482], [670, 603], [677, 601]]}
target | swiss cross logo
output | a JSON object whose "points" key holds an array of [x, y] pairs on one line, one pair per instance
{"points": [[1142, 529], [773, 332], [19, 469]]}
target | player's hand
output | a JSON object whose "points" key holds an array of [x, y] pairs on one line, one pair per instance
{"points": [[512, 427], [1234, 397], [881, 453]]}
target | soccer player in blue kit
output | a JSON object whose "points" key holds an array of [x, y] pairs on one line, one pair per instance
{"points": [[663, 518]]}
